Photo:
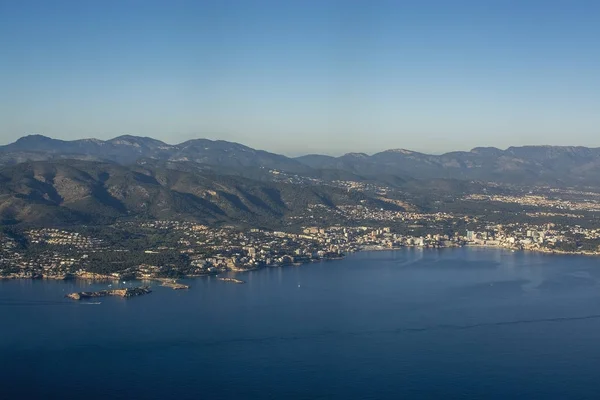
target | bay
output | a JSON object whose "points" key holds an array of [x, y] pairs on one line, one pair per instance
{"points": [[413, 323]]}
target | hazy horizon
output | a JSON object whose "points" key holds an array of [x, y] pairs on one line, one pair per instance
{"points": [[299, 154], [326, 77]]}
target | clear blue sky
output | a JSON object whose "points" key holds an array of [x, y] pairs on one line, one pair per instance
{"points": [[304, 76]]}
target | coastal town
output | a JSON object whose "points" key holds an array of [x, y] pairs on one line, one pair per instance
{"points": [[171, 249]]}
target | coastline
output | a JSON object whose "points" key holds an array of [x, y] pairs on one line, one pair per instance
{"points": [[94, 277], [537, 250]]}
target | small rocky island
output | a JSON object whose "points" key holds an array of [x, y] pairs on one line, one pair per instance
{"points": [[173, 284], [125, 292], [231, 280]]}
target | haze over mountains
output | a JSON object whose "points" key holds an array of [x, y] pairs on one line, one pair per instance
{"points": [[524, 165], [46, 181], [49, 181], [127, 149]]}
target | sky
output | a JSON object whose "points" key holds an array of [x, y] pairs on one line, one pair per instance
{"points": [[310, 76]]}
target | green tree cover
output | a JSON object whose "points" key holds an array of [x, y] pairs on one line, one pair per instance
{"points": [[107, 262]]}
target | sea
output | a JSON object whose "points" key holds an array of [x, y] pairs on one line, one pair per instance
{"points": [[466, 323]]}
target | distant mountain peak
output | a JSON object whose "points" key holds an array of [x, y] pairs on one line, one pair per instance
{"points": [[401, 151], [485, 150], [356, 155], [136, 141], [92, 140], [34, 137], [125, 142], [36, 143]]}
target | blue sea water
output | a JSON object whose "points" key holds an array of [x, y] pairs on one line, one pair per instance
{"points": [[449, 323]]}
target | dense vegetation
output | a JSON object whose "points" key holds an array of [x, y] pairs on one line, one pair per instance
{"points": [[172, 263]]}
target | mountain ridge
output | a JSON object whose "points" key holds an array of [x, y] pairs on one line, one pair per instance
{"points": [[76, 191], [43, 138], [543, 164]]}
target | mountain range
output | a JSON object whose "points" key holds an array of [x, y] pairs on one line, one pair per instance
{"points": [[47, 181], [89, 192], [554, 165], [128, 149]]}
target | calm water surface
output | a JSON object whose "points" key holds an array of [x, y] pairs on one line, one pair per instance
{"points": [[452, 323]]}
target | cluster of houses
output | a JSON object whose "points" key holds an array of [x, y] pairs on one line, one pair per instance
{"points": [[546, 238], [539, 201], [216, 249], [62, 238]]}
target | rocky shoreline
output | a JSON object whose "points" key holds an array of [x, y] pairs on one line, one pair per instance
{"points": [[231, 280], [173, 284], [125, 293]]}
